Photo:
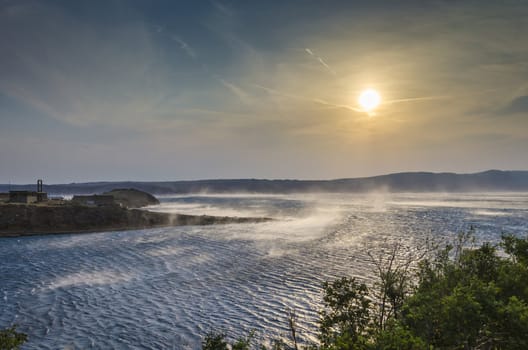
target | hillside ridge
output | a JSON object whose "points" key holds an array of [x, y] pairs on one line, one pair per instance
{"points": [[489, 180]]}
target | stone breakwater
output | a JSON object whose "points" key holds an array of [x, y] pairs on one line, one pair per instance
{"points": [[21, 220]]}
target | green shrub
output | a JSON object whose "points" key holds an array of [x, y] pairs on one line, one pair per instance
{"points": [[10, 339]]}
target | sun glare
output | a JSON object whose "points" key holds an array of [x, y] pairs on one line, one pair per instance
{"points": [[369, 99]]}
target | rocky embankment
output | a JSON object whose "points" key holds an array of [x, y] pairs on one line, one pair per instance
{"points": [[20, 219], [132, 198]]}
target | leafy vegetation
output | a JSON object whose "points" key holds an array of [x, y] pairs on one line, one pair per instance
{"points": [[476, 300], [10, 339], [459, 297]]}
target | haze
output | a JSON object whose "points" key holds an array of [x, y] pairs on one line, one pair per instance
{"points": [[168, 90]]}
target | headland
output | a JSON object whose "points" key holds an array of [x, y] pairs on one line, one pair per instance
{"points": [[96, 213]]}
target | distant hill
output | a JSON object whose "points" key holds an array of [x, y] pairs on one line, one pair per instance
{"points": [[492, 180]]}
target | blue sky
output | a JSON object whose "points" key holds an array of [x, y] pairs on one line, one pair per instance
{"points": [[166, 90]]}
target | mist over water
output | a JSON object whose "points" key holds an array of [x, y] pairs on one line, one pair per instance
{"points": [[165, 288]]}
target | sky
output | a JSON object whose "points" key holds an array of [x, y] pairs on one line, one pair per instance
{"points": [[180, 90]]}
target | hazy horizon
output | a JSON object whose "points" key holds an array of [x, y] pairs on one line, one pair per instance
{"points": [[257, 178], [185, 90]]}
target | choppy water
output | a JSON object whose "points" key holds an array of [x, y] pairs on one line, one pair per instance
{"points": [[165, 288]]}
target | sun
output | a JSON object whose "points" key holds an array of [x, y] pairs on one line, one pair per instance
{"points": [[369, 99]]}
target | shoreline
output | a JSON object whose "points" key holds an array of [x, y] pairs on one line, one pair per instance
{"points": [[37, 220]]}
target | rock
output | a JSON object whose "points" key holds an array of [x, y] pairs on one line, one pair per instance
{"points": [[132, 198]]}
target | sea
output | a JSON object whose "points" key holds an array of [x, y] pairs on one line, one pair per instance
{"points": [[166, 288]]}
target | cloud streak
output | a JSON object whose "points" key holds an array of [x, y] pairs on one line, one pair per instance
{"points": [[320, 60], [236, 90], [308, 99], [417, 99], [184, 46]]}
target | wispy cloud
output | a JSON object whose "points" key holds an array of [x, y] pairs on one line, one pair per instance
{"points": [[320, 60], [223, 9], [415, 99], [308, 99], [440, 97], [279, 93], [184, 46], [337, 105], [236, 90]]}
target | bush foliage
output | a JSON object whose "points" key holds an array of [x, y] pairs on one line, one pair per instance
{"points": [[10, 339]]}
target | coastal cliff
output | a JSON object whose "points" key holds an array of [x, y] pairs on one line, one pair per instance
{"points": [[20, 220]]}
